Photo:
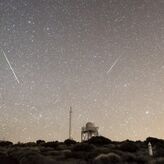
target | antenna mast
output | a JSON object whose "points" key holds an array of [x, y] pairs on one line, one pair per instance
{"points": [[70, 122]]}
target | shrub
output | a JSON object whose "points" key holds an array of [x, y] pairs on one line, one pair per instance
{"points": [[30, 144], [5, 143], [132, 158], [154, 141], [159, 152], [83, 147], [128, 157], [18, 153], [61, 146], [45, 149], [36, 159], [128, 146], [40, 142], [102, 150], [98, 151], [158, 161], [19, 144], [76, 155], [5, 159], [52, 144], [99, 140], [69, 142], [8, 160], [110, 158]]}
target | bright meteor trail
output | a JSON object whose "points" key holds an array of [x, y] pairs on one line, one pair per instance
{"points": [[115, 62], [8, 62]]}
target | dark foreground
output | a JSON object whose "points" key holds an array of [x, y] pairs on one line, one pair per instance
{"points": [[97, 150]]}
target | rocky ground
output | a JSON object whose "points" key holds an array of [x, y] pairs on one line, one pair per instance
{"points": [[97, 150]]}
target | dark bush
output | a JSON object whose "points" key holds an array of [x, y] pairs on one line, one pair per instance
{"points": [[45, 149], [141, 160], [8, 160], [5, 143], [83, 147], [36, 159], [19, 144], [98, 151], [69, 142], [61, 146], [158, 152], [132, 158], [128, 146], [110, 158], [141, 144], [40, 142], [158, 161], [128, 157], [76, 155], [99, 140], [154, 141], [52, 144], [30, 144], [18, 153]]}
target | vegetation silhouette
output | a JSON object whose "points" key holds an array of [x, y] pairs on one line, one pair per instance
{"points": [[97, 150]]}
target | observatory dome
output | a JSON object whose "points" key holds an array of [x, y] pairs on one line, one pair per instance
{"points": [[90, 125]]}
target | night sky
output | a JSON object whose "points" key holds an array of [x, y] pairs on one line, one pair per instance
{"points": [[105, 58]]}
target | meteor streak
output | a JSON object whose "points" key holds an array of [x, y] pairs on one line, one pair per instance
{"points": [[115, 62], [8, 62]]}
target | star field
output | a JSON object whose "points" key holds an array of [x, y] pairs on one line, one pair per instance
{"points": [[104, 58]]}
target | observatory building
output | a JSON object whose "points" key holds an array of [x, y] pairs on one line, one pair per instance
{"points": [[88, 131]]}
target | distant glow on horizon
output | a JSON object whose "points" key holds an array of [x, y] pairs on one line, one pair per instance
{"points": [[103, 58]]}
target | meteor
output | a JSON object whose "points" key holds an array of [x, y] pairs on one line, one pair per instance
{"points": [[11, 68], [115, 62]]}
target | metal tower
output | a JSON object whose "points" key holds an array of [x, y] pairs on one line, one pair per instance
{"points": [[70, 123]]}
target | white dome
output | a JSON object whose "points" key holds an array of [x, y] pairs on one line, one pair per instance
{"points": [[90, 125]]}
